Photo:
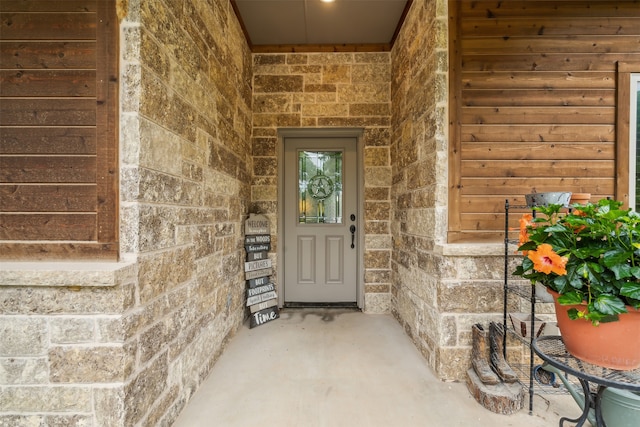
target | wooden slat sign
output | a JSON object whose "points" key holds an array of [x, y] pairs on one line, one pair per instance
{"points": [[260, 247], [257, 299], [261, 290], [263, 316], [257, 265], [256, 224], [258, 281], [257, 239], [261, 306], [258, 273], [256, 256]]}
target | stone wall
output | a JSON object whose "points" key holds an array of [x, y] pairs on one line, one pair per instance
{"points": [[325, 90], [437, 292], [127, 343], [64, 356], [186, 166]]}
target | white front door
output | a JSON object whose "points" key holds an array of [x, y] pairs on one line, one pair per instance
{"points": [[320, 220]]}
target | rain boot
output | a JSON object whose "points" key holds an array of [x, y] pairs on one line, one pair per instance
{"points": [[498, 362], [480, 355]]}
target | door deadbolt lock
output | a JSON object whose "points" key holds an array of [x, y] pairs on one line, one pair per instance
{"points": [[353, 217]]}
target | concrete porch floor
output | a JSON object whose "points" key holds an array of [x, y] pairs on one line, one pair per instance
{"points": [[336, 367]]}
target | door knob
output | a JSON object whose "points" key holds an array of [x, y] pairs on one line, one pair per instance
{"points": [[352, 229]]}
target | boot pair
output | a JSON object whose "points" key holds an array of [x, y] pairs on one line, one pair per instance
{"points": [[487, 355]]}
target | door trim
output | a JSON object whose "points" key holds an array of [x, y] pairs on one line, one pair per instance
{"points": [[321, 133]]}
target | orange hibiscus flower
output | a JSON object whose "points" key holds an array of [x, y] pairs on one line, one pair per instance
{"points": [[525, 221], [546, 261], [578, 212]]}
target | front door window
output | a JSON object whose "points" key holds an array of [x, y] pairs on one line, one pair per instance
{"points": [[320, 187]]}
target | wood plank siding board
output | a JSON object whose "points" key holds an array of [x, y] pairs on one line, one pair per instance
{"points": [[539, 80], [58, 129], [35, 55], [516, 150], [510, 186], [475, 236], [552, 62], [486, 221], [48, 198], [538, 115], [47, 112], [48, 6], [534, 100], [495, 204], [582, 44], [497, 9], [537, 168], [48, 226], [48, 140], [48, 83], [541, 97], [48, 25], [537, 133], [48, 169], [550, 26]]}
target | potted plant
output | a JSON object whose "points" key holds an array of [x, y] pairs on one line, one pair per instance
{"points": [[589, 259]]}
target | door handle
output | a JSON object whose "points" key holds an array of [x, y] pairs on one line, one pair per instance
{"points": [[352, 229]]}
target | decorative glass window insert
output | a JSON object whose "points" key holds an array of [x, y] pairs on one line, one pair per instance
{"points": [[320, 187], [634, 144]]}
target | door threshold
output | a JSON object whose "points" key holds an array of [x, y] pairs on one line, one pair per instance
{"points": [[293, 304]]}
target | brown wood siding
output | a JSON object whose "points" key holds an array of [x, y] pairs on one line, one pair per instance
{"points": [[533, 103], [58, 111]]}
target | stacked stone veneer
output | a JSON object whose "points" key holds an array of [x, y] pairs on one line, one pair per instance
{"points": [[127, 344], [439, 290], [329, 90]]}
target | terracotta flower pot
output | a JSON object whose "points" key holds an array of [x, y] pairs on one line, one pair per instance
{"points": [[582, 198], [614, 345]]}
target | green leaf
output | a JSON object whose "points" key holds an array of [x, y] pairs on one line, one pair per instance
{"points": [[609, 304], [574, 314], [582, 253], [616, 256], [622, 271], [561, 284], [631, 290], [589, 271], [555, 228], [519, 271], [528, 246], [609, 318], [570, 298]]}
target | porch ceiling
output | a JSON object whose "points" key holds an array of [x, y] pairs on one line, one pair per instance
{"points": [[299, 25]]}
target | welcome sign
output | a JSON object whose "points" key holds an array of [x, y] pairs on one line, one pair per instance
{"points": [[256, 224]]}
